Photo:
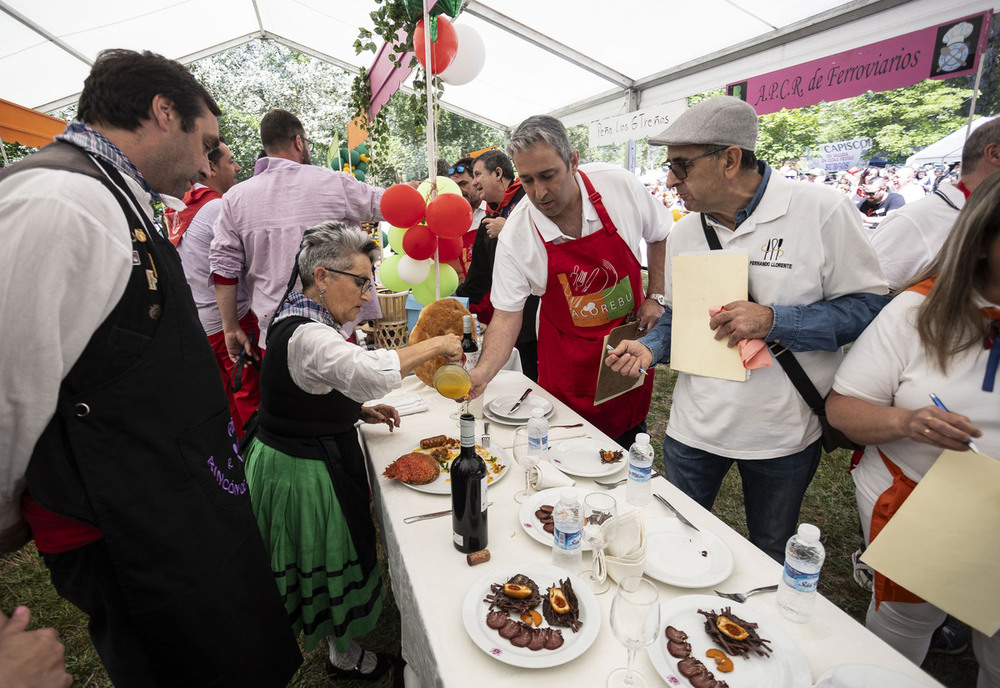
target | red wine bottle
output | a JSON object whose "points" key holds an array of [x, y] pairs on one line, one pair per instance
{"points": [[468, 493]]}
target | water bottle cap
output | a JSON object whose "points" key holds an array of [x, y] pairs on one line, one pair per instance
{"points": [[642, 438], [808, 532], [537, 413]]}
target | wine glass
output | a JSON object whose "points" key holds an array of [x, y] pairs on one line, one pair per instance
{"points": [[598, 507], [635, 621], [526, 459]]}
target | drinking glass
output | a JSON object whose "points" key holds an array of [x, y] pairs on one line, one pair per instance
{"points": [[526, 460], [635, 621], [598, 507]]}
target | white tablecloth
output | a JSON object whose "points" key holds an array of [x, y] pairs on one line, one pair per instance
{"points": [[430, 577]]}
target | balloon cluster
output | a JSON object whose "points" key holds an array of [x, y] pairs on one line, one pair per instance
{"points": [[354, 162], [457, 52], [421, 226]]}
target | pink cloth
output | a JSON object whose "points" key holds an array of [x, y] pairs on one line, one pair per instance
{"points": [[753, 352], [263, 219]]}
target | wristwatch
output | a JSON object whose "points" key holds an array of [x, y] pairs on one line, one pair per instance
{"points": [[659, 298]]}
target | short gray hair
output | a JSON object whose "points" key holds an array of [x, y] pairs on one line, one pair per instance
{"points": [[332, 245], [975, 145], [545, 129]]}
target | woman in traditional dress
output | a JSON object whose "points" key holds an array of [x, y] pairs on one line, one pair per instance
{"points": [[304, 465], [937, 337]]}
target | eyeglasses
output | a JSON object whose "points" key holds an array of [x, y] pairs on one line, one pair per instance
{"points": [[360, 281], [458, 169], [680, 168], [308, 142]]}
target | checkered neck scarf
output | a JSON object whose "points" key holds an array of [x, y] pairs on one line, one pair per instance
{"points": [[299, 305], [97, 144]]}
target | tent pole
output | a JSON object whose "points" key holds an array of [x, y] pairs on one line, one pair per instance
{"points": [[431, 135], [975, 96]]}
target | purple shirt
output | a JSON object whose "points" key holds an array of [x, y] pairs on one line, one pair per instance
{"points": [[263, 219]]}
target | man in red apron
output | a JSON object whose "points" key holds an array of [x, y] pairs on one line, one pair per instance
{"points": [[576, 245]]}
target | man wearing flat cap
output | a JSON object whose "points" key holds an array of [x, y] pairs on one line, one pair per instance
{"points": [[815, 284]]}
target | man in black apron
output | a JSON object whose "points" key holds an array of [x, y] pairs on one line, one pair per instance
{"points": [[114, 414]]}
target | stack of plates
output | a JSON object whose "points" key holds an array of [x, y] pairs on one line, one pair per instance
{"points": [[498, 410]]}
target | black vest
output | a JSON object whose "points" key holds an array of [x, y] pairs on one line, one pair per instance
{"points": [[142, 446]]}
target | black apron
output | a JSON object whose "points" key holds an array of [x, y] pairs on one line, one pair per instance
{"points": [[142, 446]]}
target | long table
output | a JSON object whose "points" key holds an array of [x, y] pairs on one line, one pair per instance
{"points": [[430, 577]]}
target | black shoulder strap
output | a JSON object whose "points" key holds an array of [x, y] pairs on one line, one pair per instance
{"points": [[940, 194], [791, 366]]}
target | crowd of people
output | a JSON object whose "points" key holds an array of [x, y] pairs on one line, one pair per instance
{"points": [[205, 527]]}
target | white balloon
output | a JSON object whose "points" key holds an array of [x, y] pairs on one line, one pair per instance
{"points": [[468, 60], [413, 271]]}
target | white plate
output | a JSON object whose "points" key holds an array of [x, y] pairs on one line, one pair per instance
{"points": [[677, 555], [785, 668], [442, 484], [501, 405], [864, 676], [582, 457], [533, 527], [489, 641]]}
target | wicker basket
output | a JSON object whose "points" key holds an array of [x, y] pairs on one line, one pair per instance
{"points": [[391, 334], [393, 304]]}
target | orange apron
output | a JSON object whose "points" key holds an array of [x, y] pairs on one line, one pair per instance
{"points": [[886, 506]]}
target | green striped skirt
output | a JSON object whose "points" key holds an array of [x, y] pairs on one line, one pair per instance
{"points": [[326, 590]]}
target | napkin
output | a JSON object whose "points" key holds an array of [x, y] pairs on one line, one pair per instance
{"points": [[625, 554], [405, 404], [753, 352], [545, 475]]}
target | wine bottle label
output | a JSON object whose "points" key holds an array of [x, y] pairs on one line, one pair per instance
{"points": [[471, 359], [459, 540], [482, 493]]}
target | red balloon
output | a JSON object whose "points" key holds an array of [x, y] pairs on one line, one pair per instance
{"points": [[402, 205], [443, 50], [449, 249], [419, 243], [449, 215]]}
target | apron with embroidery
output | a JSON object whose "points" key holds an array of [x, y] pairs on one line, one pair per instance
{"points": [[585, 298]]}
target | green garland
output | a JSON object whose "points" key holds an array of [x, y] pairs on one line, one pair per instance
{"points": [[389, 18]]}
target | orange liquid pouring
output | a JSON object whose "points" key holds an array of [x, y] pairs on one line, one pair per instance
{"points": [[453, 384]]}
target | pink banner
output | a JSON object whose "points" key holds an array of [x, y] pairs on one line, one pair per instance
{"points": [[943, 51]]}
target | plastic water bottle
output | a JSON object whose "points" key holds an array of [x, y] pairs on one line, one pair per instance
{"points": [[538, 434], [568, 535], [638, 491], [804, 555]]}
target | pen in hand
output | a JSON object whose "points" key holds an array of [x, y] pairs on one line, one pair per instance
{"points": [[940, 405], [642, 371]]}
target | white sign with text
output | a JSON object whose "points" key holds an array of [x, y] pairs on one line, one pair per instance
{"points": [[843, 155], [635, 125]]}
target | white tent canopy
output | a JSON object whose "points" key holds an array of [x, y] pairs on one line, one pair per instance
{"points": [[948, 149], [576, 59]]}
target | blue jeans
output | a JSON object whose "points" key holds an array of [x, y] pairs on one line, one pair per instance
{"points": [[772, 488]]}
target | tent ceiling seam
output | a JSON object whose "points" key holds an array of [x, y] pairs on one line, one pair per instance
{"points": [[48, 35]]}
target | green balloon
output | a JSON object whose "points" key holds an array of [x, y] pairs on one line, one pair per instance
{"points": [[424, 292], [363, 166], [359, 175], [389, 275], [355, 157], [362, 149], [396, 239], [385, 239]]}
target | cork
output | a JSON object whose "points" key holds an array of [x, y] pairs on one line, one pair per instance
{"points": [[480, 557]]}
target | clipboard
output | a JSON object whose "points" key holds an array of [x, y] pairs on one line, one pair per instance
{"points": [[609, 383]]}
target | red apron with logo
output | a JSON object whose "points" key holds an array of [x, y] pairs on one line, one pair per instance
{"points": [[585, 298]]}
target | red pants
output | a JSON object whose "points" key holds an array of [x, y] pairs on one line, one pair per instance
{"points": [[243, 403]]}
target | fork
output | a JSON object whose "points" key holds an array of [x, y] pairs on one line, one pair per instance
{"points": [[652, 474], [742, 596]]}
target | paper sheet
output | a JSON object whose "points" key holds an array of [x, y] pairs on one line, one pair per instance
{"points": [[702, 280], [943, 543]]}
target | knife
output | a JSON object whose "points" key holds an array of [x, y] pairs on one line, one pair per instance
{"points": [[519, 401], [679, 515], [435, 514]]}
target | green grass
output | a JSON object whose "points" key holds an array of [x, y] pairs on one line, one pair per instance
{"points": [[829, 503]]}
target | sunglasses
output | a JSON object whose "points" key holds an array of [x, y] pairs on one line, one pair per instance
{"points": [[458, 169], [363, 283], [680, 167]]}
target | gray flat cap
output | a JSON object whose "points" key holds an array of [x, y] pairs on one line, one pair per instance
{"points": [[723, 120]]}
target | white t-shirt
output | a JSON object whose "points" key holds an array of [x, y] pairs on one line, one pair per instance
{"points": [[521, 264], [887, 366], [65, 260], [805, 245], [908, 239]]}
